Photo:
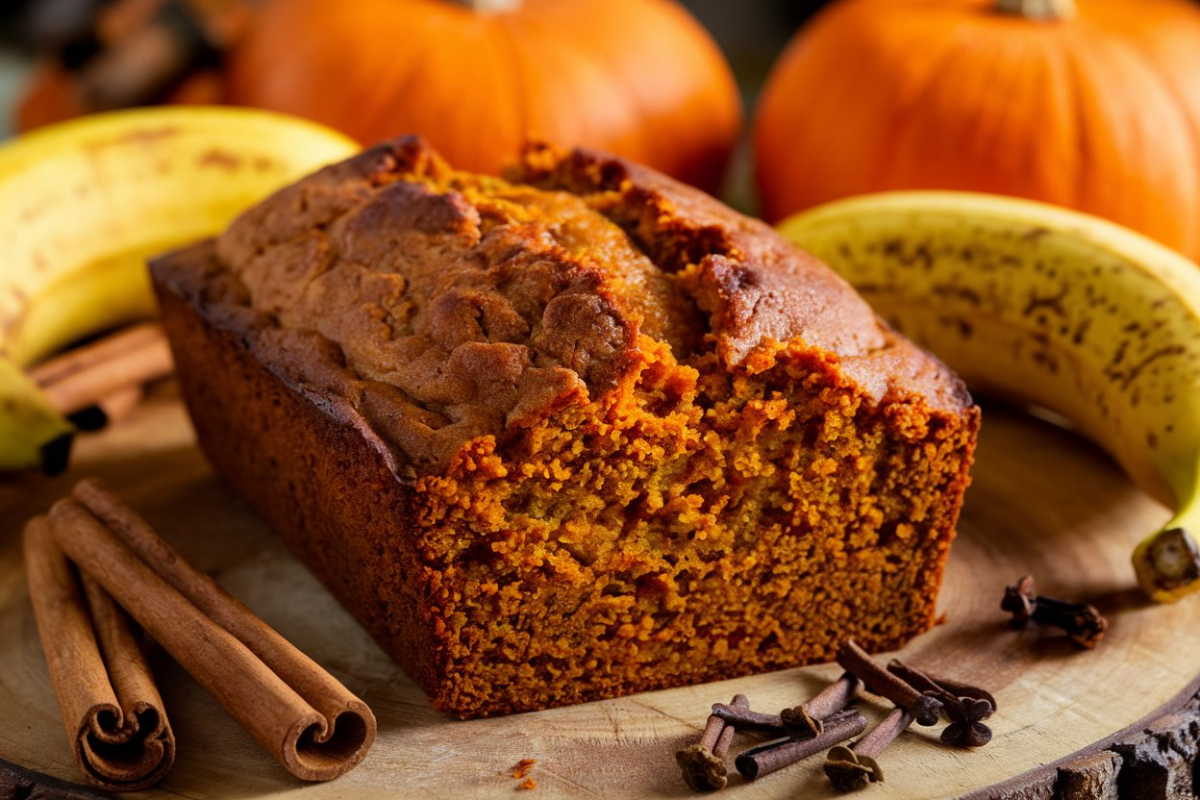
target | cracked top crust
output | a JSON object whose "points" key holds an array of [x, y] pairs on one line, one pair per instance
{"points": [[437, 305]]}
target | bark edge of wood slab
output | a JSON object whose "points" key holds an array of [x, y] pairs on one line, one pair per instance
{"points": [[1157, 757]]}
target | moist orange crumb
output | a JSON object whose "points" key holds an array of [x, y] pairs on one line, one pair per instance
{"points": [[523, 767]]}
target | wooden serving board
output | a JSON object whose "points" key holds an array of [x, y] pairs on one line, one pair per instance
{"points": [[1043, 502]]}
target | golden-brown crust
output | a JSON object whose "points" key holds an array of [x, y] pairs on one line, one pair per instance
{"points": [[751, 283], [465, 306]]}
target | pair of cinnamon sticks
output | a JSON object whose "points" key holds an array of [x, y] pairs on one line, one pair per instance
{"points": [[109, 374], [114, 716]]}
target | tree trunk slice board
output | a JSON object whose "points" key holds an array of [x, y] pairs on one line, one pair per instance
{"points": [[1043, 502]]}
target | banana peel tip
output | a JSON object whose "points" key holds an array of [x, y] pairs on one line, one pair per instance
{"points": [[1168, 565]]}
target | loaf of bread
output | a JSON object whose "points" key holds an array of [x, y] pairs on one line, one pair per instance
{"points": [[576, 433]]}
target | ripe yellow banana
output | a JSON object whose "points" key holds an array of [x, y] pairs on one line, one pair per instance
{"points": [[1047, 307], [30, 429], [82, 205]]}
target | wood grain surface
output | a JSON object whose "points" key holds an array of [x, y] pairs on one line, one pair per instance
{"points": [[1043, 502]]}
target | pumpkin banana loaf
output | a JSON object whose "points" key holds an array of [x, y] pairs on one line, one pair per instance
{"points": [[570, 435]]}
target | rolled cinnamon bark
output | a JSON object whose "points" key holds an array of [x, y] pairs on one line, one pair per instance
{"points": [[106, 694], [315, 727], [88, 375], [119, 404], [106, 348]]}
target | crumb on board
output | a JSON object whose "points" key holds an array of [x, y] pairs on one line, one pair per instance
{"points": [[528, 783], [522, 769]]}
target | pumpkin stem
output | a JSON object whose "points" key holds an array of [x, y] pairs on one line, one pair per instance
{"points": [[489, 6], [1038, 9]]}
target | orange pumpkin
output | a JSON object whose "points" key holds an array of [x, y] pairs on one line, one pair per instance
{"points": [[639, 78], [1094, 105]]}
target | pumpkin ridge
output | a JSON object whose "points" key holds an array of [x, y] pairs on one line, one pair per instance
{"points": [[1191, 123], [1058, 73], [1106, 125], [615, 79], [409, 77], [495, 50], [508, 26], [882, 175], [1010, 50]]}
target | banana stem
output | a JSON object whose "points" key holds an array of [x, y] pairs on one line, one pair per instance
{"points": [[489, 6], [1038, 9], [1167, 563]]}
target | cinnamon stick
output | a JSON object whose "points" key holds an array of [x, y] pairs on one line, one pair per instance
{"points": [[109, 704], [109, 410], [118, 404], [103, 349], [315, 727], [87, 375]]}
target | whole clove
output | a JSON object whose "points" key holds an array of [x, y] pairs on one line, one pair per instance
{"points": [[922, 679], [965, 706], [806, 720], [746, 720], [1082, 622], [773, 756], [1020, 600], [703, 764], [966, 728], [877, 680], [853, 767]]}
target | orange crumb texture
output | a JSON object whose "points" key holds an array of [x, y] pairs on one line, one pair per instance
{"points": [[528, 783], [569, 436], [523, 767]]}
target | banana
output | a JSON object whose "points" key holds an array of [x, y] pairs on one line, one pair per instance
{"points": [[29, 426], [1051, 308], [84, 203]]}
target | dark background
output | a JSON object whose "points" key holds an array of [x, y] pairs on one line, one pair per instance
{"points": [[751, 32], [737, 24]]}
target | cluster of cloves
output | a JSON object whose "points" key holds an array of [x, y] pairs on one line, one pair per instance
{"points": [[827, 721], [919, 697], [1082, 623]]}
